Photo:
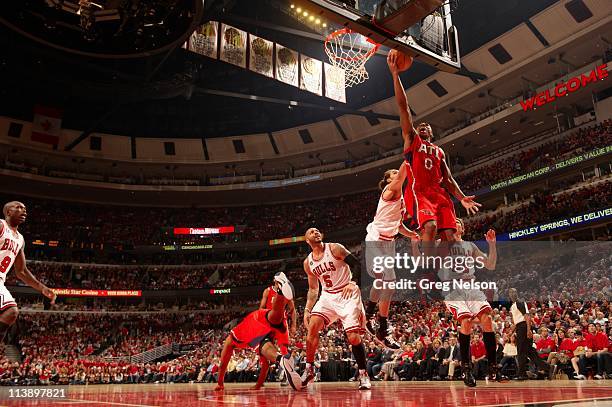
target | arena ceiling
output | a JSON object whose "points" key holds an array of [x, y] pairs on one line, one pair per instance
{"points": [[157, 91]]}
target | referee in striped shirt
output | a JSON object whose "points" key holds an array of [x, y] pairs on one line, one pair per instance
{"points": [[524, 338]]}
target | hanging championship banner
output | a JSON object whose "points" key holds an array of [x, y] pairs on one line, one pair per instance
{"points": [[233, 45], [311, 78], [334, 83], [286, 65], [203, 41], [261, 55]]}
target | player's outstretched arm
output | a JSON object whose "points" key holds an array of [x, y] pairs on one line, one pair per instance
{"points": [[490, 260], [408, 131], [394, 189], [264, 298], [448, 181], [22, 272], [313, 293], [293, 317]]}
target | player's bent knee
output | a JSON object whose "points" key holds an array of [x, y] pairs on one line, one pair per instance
{"points": [[353, 338], [9, 316], [315, 325], [430, 227]]}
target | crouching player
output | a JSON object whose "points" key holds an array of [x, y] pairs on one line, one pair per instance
{"points": [[256, 331]]}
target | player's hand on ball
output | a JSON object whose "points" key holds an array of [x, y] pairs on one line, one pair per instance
{"points": [[490, 236], [347, 292], [47, 292], [470, 205], [392, 62]]}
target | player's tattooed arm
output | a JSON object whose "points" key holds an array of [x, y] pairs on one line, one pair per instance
{"points": [[353, 262], [313, 292], [22, 272], [406, 123], [449, 183]]}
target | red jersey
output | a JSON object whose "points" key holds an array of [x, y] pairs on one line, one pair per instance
{"points": [[425, 160], [271, 295]]}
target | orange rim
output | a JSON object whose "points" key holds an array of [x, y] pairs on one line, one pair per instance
{"points": [[341, 31]]}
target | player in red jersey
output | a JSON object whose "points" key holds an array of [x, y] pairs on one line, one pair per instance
{"points": [[282, 338], [430, 182], [12, 247], [269, 296], [256, 331]]}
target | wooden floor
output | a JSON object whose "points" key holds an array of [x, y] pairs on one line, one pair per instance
{"points": [[417, 394]]}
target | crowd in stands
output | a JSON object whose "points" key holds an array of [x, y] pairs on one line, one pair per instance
{"points": [[542, 207], [77, 225], [155, 277], [539, 208], [573, 144]]}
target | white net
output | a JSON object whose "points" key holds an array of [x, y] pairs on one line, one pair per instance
{"points": [[350, 51]]}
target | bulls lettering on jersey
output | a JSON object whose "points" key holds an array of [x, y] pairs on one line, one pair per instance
{"points": [[333, 273], [11, 243], [425, 159], [463, 250]]}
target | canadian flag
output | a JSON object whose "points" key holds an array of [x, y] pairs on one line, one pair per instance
{"points": [[47, 125]]}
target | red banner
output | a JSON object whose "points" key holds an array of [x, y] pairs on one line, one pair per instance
{"points": [[204, 230], [79, 292]]}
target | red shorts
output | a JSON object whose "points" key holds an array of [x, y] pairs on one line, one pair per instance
{"points": [[425, 206], [253, 329]]}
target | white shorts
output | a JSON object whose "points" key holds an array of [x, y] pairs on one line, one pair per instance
{"points": [[466, 303], [380, 249], [6, 299], [350, 312]]}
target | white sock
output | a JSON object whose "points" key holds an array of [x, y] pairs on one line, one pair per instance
{"points": [[308, 365], [362, 372]]}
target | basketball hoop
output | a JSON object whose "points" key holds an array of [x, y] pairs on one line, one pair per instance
{"points": [[350, 51]]}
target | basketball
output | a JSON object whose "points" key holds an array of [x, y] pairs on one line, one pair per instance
{"points": [[403, 61]]}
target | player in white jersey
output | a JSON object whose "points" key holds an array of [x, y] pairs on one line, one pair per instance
{"points": [[380, 241], [469, 305], [330, 264], [12, 254]]}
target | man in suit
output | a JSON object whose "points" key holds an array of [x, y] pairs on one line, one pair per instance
{"points": [[450, 360]]}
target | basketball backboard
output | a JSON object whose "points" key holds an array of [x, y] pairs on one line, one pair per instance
{"points": [[427, 36]]}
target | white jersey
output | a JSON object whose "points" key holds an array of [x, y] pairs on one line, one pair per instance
{"points": [[333, 273], [457, 250], [11, 243], [386, 223]]}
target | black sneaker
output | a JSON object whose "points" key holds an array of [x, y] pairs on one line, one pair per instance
{"points": [[307, 377], [468, 377], [369, 326], [386, 339]]}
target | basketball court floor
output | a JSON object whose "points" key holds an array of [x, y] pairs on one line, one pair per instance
{"points": [[534, 393]]}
